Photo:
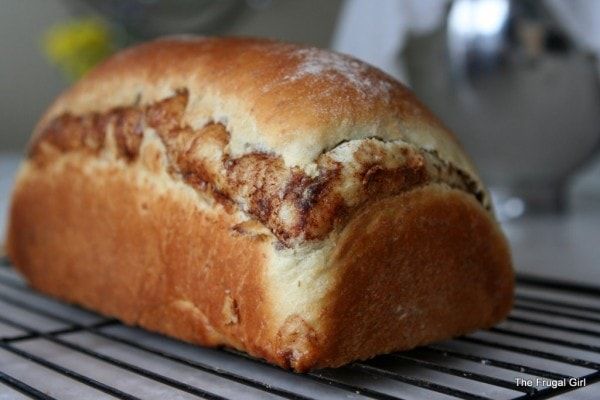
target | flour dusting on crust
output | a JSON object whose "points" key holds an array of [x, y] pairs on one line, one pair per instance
{"points": [[341, 69]]}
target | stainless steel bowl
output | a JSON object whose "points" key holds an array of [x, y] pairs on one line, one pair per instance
{"points": [[522, 96]]}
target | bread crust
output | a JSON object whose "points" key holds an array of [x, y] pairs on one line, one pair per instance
{"points": [[113, 210], [407, 270], [287, 99], [132, 245], [412, 269], [294, 204]]}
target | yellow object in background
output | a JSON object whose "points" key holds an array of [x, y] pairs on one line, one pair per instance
{"points": [[77, 46]]}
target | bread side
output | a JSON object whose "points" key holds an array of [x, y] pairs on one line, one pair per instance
{"points": [[413, 269], [406, 270], [130, 243]]}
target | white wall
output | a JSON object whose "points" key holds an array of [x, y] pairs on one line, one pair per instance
{"points": [[28, 83]]}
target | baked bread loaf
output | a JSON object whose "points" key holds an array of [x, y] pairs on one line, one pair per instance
{"points": [[290, 202]]}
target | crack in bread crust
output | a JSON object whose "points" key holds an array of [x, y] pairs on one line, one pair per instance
{"points": [[295, 204]]}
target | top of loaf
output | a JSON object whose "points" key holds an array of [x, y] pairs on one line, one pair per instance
{"points": [[290, 100]]}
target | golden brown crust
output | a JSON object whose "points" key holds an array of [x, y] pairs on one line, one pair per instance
{"points": [[414, 269], [290, 100], [294, 205], [407, 270], [289, 202], [107, 239]]}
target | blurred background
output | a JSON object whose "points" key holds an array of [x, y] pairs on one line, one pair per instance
{"points": [[518, 81]]}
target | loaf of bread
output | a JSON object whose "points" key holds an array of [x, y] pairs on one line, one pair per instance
{"points": [[290, 202]]}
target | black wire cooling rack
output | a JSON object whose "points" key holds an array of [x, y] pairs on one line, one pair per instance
{"points": [[50, 350]]}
